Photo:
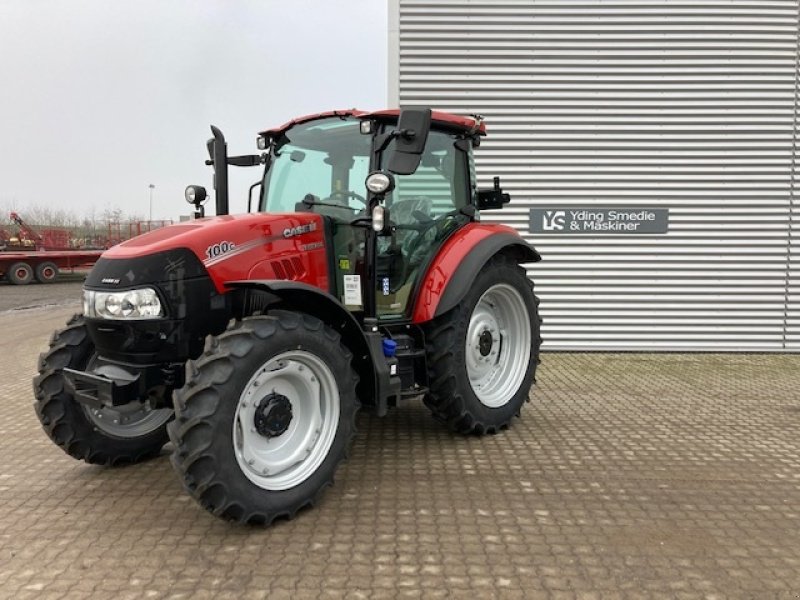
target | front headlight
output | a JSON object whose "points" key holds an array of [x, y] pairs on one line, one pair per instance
{"points": [[142, 303]]}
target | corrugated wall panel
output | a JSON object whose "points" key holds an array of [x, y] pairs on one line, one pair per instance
{"points": [[683, 105]]}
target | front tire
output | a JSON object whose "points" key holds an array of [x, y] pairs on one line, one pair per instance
{"points": [[482, 354], [266, 416], [108, 436]]}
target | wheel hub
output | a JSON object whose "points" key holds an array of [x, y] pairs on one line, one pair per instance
{"points": [[273, 415], [280, 443], [498, 345], [485, 342]]}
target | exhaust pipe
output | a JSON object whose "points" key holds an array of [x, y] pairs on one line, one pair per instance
{"points": [[218, 151]]}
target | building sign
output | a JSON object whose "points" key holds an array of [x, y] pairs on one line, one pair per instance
{"points": [[599, 220]]}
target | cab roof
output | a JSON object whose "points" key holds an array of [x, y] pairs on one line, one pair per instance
{"points": [[466, 124]]}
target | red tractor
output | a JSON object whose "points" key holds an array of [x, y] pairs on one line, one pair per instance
{"points": [[363, 278]]}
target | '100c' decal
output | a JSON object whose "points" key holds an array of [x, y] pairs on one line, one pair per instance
{"points": [[215, 250]]}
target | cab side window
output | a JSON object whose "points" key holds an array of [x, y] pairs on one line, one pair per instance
{"points": [[430, 190]]}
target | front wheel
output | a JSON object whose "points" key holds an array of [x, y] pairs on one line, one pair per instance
{"points": [[482, 354], [266, 416], [107, 436]]}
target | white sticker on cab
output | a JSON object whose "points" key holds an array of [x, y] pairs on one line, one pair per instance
{"points": [[352, 290]]}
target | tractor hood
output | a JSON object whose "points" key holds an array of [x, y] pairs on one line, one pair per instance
{"points": [[229, 247], [203, 235]]}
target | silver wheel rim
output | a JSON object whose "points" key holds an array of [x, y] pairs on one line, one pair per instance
{"points": [[132, 420], [498, 345], [288, 459]]}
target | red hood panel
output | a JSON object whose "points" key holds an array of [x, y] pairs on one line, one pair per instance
{"points": [[249, 246]]}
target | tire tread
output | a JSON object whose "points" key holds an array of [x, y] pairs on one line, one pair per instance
{"points": [[445, 399], [68, 347], [200, 471]]}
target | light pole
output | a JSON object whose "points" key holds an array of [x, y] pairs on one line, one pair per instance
{"points": [[152, 187]]}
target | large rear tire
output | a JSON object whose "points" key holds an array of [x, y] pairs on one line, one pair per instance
{"points": [[482, 354], [122, 435], [266, 416]]}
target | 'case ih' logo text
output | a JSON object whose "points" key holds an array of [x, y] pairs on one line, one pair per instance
{"points": [[300, 229]]}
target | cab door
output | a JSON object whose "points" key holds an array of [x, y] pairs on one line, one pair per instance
{"points": [[424, 209]]}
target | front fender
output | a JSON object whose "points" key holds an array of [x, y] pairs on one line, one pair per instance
{"points": [[374, 385], [459, 261]]}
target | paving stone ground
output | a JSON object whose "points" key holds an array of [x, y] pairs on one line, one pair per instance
{"points": [[628, 476]]}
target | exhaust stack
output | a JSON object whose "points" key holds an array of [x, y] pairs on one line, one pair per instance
{"points": [[218, 151]]}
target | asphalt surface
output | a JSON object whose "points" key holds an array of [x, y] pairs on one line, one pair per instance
{"points": [[628, 476], [65, 291]]}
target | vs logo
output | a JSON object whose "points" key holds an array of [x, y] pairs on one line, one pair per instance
{"points": [[554, 220]]}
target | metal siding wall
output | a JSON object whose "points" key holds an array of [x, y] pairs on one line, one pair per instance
{"points": [[685, 105]]}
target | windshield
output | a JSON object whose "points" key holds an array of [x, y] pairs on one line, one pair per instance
{"points": [[327, 158]]}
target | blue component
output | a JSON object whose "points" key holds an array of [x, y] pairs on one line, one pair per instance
{"points": [[389, 348]]}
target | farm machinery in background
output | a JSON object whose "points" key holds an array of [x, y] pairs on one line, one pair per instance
{"points": [[31, 254]]}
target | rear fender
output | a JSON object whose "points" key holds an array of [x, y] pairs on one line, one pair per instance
{"points": [[296, 296], [453, 271]]}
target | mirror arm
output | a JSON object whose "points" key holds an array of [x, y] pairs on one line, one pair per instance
{"points": [[247, 160], [250, 194], [385, 139]]}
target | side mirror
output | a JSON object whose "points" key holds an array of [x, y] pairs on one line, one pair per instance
{"points": [[412, 134], [494, 198]]}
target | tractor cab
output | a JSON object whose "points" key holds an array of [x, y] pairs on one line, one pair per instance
{"points": [[321, 166]]}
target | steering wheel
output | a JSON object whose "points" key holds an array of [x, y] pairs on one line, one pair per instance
{"points": [[425, 223], [416, 247], [347, 194]]}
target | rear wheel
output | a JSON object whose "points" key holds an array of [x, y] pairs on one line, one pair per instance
{"points": [[266, 415], [482, 354], [20, 273], [46, 272], [107, 436]]}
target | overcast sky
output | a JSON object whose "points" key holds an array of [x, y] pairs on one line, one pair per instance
{"points": [[100, 98]]}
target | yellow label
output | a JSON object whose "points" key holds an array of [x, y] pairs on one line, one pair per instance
{"points": [[344, 264]]}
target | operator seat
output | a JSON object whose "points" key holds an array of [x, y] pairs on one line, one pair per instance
{"points": [[410, 211]]}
